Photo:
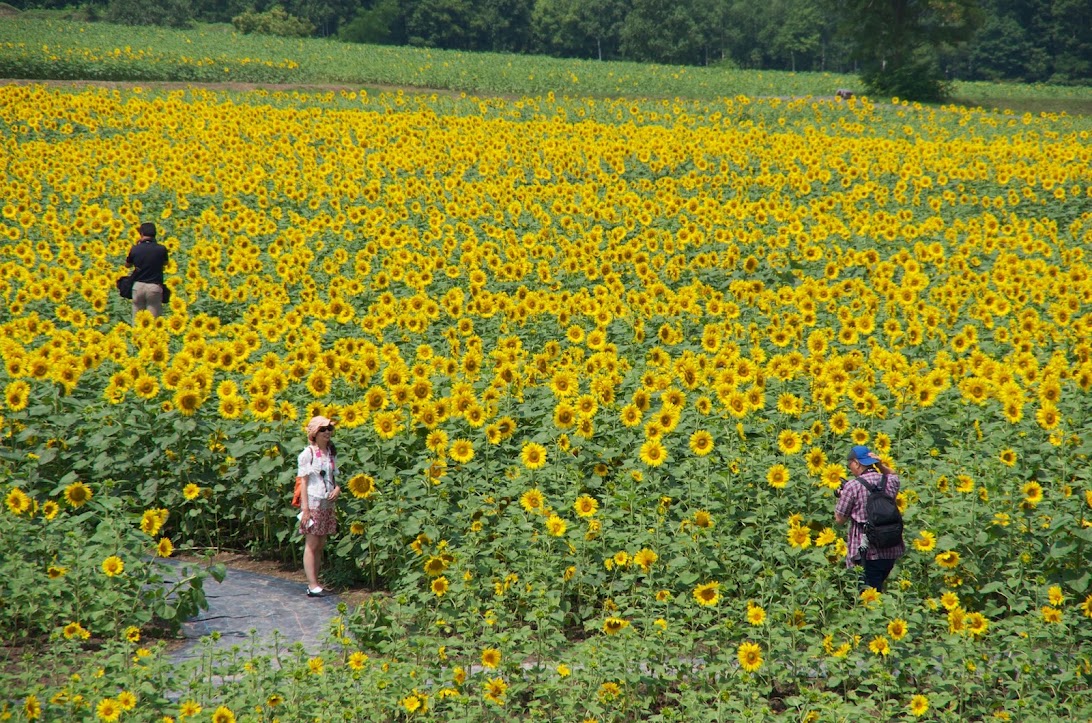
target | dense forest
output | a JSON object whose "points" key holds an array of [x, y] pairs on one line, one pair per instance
{"points": [[891, 43]]}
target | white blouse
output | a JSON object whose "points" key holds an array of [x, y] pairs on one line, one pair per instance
{"points": [[319, 469]]}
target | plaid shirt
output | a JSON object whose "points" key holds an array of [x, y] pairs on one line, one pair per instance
{"points": [[851, 504]]}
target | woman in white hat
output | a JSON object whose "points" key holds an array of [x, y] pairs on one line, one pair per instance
{"points": [[318, 470]]}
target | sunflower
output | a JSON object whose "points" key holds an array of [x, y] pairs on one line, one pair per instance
{"points": [[77, 494], [977, 624], [491, 658], [126, 700], [777, 476], [701, 443], [262, 406], [495, 689], [653, 453], [362, 486], [925, 541], [358, 660], [645, 558], [532, 500], [879, 645], [165, 548], [839, 423], [191, 492], [555, 526], [113, 565], [948, 559], [31, 708], [436, 441], [703, 519], [584, 506], [73, 631], [1051, 615], [436, 564], [919, 704], [50, 509], [187, 401], [564, 416], [609, 691], [755, 614], [18, 502], [1033, 493], [613, 625], [231, 407], [108, 710], [440, 586], [800, 537], [1008, 457], [146, 387], [462, 451], [788, 441], [750, 656], [152, 520], [533, 455], [223, 714], [707, 594], [17, 395], [897, 629], [189, 709]]}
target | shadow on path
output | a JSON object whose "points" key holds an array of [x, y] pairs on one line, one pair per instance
{"points": [[248, 605]]}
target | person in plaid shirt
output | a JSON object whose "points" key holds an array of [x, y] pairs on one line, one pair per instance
{"points": [[876, 564]]}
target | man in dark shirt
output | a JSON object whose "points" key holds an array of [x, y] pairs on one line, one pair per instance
{"points": [[149, 258]]}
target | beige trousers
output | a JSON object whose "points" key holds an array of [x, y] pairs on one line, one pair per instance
{"points": [[147, 296]]}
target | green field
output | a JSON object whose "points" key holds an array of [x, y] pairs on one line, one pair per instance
{"points": [[50, 49]]}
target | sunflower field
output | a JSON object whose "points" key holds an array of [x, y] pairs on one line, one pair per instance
{"points": [[596, 366]]}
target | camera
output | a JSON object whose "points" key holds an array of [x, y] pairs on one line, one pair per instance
{"points": [[862, 551]]}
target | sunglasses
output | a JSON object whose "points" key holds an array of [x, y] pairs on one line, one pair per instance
{"points": [[327, 428]]}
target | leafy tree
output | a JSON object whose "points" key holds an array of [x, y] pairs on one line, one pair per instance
{"points": [[897, 41], [575, 28], [684, 32], [440, 24], [1002, 50], [798, 35], [377, 24], [1071, 33], [173, 13], [275, 21], [501, 26]]}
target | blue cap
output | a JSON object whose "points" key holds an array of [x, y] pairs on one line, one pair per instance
{"points": [[863, 455]]}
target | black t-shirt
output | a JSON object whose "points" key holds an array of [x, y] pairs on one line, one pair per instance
{"points": [[149, 258]]}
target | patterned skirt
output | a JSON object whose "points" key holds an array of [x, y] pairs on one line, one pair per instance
{"points": [[324, 515]]}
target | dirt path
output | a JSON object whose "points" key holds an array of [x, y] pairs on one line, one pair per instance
{"points": [[259, 603]]}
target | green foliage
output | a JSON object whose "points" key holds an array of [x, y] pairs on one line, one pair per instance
{"points": [[170, 13], [917, 79], [897, 42], [53, 564], [275, 21], [372, 25]]}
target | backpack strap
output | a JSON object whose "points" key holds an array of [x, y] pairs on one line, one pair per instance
{"points": [[871, 487]]}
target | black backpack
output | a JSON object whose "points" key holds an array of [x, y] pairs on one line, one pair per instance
{"points": [[883, 521]]}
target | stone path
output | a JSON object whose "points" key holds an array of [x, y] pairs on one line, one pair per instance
{"points": [[247, 604]]}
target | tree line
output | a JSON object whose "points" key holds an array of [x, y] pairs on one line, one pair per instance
{"points": [[907, 47]]}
